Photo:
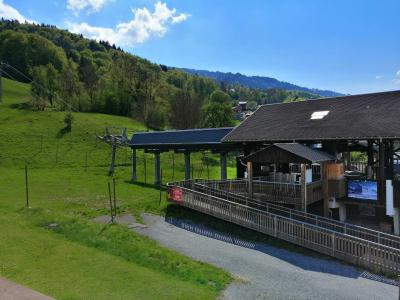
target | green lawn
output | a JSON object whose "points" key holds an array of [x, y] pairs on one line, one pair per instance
{"points": [[79, 259]]}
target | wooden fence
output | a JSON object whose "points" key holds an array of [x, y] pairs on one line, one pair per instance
{"points": [[346, 242], [278, 192]]}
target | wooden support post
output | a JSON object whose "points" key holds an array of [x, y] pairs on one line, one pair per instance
{"points": [[303, 185], [348, 160], [157, 166], [370, 155], [223, 165], [250, 178], [381, 177], [187, 165], [134, 174], [325, 188]]}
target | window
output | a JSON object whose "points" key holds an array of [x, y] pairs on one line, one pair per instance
{"points": [[319, 115]]}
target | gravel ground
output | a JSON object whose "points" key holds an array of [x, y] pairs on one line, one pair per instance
{"points": [[266, 272]]}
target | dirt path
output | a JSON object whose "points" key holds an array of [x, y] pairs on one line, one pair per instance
{"points": [[12, 291], [264, 271]]}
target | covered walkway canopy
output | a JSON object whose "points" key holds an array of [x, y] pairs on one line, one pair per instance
{"points": [[181, 141]]}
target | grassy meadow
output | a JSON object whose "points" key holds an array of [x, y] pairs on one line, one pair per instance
{"points": [[80, 259]]}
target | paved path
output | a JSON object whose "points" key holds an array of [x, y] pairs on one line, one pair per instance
{"points": [[12, 291], [266, 272]]}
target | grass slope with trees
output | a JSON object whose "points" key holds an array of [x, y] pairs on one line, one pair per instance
{"points": [[69, 70], [78, 258]]}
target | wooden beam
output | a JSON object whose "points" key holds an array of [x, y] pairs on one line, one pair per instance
{"points": [[303, 185], [250, 178], [325, 188]]}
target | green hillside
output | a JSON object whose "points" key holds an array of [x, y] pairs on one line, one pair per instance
{"points": [[79, 259]]}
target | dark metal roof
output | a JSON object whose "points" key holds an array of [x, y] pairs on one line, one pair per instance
{"points": [[298, 153], [368, 116], [205, 138]]}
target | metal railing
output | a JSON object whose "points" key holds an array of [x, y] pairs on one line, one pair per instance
{"points": [[361, 246]]}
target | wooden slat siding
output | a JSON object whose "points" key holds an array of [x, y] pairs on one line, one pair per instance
{"points": [[354, 230], [351, 249], [280, 192]]}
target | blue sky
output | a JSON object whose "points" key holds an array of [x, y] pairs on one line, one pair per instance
{"points": [[350, 46]]}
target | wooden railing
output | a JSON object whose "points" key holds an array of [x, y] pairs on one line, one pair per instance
{"points": [[346, 228], [367, 248], [278, 192]]}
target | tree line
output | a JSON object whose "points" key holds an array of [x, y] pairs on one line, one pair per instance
{"points": [[69, 70]]}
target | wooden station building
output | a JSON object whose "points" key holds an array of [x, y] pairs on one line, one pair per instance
{"points": [[279, 139], [299, 155]]}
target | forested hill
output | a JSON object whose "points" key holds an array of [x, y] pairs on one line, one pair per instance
{"points": [[68, 71], [258, 82]]}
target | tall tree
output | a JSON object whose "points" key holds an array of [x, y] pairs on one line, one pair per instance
{"points": [[217, 111]]}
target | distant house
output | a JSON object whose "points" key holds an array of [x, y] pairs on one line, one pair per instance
{"points": [[240, 110]]}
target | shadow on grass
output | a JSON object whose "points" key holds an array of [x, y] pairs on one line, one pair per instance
{"points": [[146, 185], [303, 258], [21, 106], [63, 131]]}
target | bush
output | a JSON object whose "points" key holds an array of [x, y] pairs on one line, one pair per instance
{"points": [[68, 120]]}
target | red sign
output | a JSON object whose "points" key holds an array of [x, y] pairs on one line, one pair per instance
{"points": [[175, 194]]}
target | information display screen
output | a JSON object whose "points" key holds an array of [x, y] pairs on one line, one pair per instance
{"points": [[362, 190]]}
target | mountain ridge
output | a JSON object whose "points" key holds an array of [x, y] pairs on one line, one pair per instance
{"points": [[258, 82]]}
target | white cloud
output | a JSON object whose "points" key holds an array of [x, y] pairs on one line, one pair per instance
{"points": [[379, 77], [93, 5], [396, 80], [10, 13], [144, 25]]}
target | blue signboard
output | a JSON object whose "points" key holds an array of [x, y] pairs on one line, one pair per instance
{"points": [[362, 190]]}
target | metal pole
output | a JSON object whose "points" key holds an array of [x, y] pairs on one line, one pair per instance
{"points": [[26, 185], [144, 163], [86, 161], [208, 169], [115, 200], [173, 166], [160, 187], [109, 197]]}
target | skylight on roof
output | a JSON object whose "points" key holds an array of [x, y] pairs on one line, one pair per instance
{"points": [[319, 115]]}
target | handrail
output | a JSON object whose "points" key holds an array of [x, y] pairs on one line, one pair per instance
{"points": [[347, 228], [291, 219], [353, 249]]}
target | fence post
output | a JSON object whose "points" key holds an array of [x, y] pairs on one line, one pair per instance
{"points": [[115, 199], [333, 237], [26, 185], [275, 227]]}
